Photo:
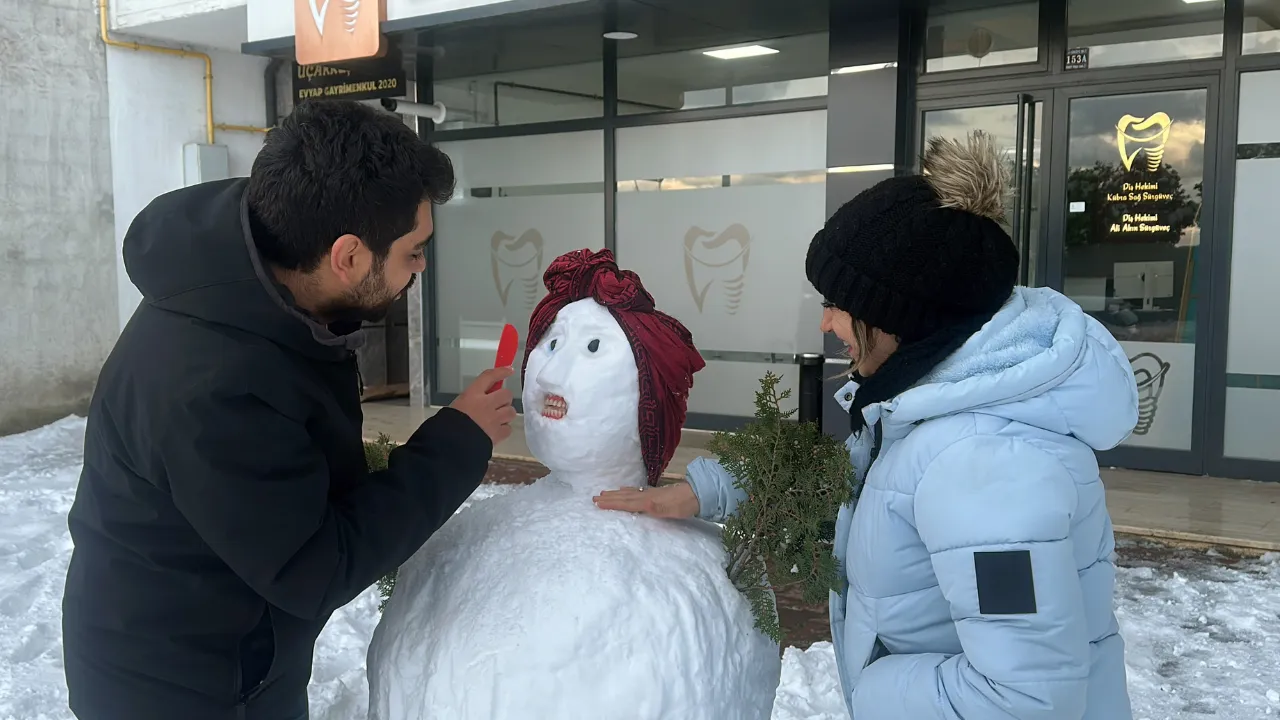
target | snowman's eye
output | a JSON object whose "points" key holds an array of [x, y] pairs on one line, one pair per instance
{"points": [[593, 346], [553, 345]]}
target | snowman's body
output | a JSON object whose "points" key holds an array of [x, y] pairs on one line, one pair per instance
{"points": [[538, 605]]}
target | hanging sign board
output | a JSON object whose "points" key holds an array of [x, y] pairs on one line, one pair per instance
{"points": [[1078, 59], [330, 31], [370, 79]]}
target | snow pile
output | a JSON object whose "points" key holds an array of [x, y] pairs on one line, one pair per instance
{"points": [[1203, 638], [38, 475], [810, 688], [339, 690], [537, 604]]}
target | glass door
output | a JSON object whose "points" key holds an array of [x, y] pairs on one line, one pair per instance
{"points": [[1132, 178], [1015, 122]]}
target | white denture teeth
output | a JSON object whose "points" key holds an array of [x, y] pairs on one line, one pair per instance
{"points": [[554, 407]]}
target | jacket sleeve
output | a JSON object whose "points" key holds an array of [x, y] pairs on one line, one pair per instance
{"points": [[995, 515], [255, 487], [718, 496]]}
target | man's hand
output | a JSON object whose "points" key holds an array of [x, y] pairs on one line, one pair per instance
{"points": [[492, 411], [676, 500]]}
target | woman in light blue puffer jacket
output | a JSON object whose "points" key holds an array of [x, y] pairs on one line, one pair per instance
{"points": [[977, 558]]}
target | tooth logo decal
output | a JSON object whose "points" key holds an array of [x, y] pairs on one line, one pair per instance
{"points": [[718, 260], [517, 265], [1143, 135], [318, 13], [350, 14], [318, 41], [1150, 372]]}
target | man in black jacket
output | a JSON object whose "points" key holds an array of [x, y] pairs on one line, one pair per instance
{"points": [[225, 510]]}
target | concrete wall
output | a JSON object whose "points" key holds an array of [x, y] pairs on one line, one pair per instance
{"points": [[157, 106], [131, 13], [58, 314]]}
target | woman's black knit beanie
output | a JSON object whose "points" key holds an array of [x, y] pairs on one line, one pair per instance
{"points": [[915, 254], [923, 258]]}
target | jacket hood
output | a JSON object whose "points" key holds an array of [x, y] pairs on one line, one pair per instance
{"points": [[192, 252], [1040, 361]]}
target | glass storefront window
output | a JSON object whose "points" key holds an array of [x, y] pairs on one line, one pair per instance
{"points": [[519, 98], [1253, 346], [735, 74], [1261, 26], [720, 235], [1132, 241], [967, 34], [520, 203], [1001, 122], [1150, 31], [714, 53], [520, 68]]}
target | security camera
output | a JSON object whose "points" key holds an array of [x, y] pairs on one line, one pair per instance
{"points": [[434, 112]]}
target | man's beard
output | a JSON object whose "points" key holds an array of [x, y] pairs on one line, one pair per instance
{"points": [[370, 301]]}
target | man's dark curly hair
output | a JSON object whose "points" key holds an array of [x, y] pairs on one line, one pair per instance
{"points": [[337, 167]]}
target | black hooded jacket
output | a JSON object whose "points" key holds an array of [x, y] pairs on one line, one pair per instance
{"points": [[225, 510]]}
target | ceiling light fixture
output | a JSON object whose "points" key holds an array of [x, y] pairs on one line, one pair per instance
{"points": [[620, 35], [863, 68], [885, 167], [1192, 2], [737, 53]]}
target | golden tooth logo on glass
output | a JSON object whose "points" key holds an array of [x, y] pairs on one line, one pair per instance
{"points": [[1147, 135]]}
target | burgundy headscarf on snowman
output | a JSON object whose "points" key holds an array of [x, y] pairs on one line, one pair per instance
{"points": [[663, 348]]}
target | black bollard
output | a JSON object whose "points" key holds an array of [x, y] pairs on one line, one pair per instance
{"points": [[810, 389]]}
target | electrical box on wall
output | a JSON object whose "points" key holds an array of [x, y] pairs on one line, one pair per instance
{"points": [[204, 163]]}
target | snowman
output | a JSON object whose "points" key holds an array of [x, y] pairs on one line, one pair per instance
{"points": [[538, 605]]}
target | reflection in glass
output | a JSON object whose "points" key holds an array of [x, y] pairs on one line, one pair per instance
{"points": [[690, 79], [1134, 33], [1261, 26], [522, 97], [1132, 241], [1001, 122], [965, 34]]}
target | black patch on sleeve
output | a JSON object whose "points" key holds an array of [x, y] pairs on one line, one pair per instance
{"points": [[1006, 585]]}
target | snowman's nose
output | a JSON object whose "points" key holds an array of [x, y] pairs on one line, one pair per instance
{"points": [[554, 376]]}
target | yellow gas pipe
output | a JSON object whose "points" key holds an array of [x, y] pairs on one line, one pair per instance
{"points": [[242, 128], [209, 125]]}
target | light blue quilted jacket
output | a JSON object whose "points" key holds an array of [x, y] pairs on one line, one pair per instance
{"points": [[979, 558]]}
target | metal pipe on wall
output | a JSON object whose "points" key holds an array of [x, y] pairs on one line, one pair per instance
{"points": [[209, 124], [208, 64], [269, 92]]}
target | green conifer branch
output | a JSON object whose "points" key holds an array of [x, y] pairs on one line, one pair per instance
{"points": [[376, 456], [796, 479]]}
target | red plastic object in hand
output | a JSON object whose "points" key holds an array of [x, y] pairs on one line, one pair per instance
{"points": [[507, 347]]}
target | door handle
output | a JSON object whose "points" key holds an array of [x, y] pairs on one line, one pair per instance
{"points": [[1026, 171]]}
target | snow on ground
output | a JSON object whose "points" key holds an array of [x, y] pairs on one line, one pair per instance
{"points": [[1203, 634]]}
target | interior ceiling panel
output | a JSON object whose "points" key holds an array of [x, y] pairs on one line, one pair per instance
{"points": [[570, 34]]}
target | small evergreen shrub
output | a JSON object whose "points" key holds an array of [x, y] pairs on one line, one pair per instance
{"points": [[796, 479]]}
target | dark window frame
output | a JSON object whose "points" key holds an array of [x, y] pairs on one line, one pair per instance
{"points": [[954, 89], [609, 123]]}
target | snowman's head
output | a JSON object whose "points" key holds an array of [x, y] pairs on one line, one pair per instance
{"points": [[606, 376], [582, 393]]}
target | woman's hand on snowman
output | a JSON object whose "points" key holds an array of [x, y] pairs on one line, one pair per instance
{"points": [[676, 500]]}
